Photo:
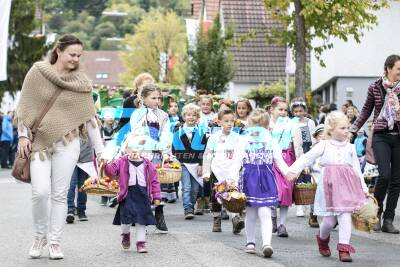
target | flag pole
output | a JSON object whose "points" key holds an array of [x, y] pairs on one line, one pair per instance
{"points": [[287, 88]]}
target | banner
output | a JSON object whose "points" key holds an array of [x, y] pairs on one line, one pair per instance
{"points": [[290, 67], [4, 20]]}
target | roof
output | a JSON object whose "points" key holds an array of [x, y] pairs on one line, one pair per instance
{"points": [[212, 7], [103, 67], [255, 60]]}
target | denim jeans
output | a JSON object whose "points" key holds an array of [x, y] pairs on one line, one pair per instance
{"points": [[190, 189], [77, 180]]}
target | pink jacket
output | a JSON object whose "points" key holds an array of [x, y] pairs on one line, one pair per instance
{"points": [[120, 167]]}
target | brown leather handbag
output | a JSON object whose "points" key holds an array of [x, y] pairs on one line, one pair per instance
{"points": [[21, 170]]}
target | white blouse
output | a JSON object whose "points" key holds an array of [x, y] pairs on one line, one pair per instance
{"points": [[218, 156], [261, 152], [330, 152]]}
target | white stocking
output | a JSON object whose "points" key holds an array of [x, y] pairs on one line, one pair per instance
{"points": [[264, 213], [250, 224], [283, 211], [328, 222], [125, 228], [140, 232], [344, 220]]}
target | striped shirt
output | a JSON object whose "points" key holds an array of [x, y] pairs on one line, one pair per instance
{"points": [[374, 102]]}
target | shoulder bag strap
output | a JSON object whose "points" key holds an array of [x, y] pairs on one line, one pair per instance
{"points": [[45, 110]]}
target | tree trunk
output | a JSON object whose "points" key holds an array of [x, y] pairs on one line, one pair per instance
{"points": [[300, 50]]}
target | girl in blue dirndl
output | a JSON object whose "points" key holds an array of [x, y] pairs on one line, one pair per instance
{"points": [[255, 153]]}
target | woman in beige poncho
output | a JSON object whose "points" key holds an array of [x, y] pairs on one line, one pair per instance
{"points": [[54, 148]]}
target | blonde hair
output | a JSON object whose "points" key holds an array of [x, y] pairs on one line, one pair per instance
{"points": [[139, 81], [258, 117], [206, 97], [191, 108], [332, 120], [355, 111]]}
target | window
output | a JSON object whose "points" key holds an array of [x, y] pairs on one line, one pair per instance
{"points": [[101, 75]]}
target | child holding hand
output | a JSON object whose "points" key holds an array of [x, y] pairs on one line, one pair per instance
{"points": [[256, 154], [340, 186], [139, 187]]}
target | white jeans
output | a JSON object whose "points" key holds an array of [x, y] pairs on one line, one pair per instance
{"points": [[51, 178]]}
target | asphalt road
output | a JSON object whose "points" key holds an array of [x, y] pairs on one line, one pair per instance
{"points": [[189, 243]]}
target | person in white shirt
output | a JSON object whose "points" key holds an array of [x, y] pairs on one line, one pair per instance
{"points": [[218, 158]]}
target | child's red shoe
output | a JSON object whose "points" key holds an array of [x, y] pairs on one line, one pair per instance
{"points": [[344, 252], [141, 247], [126, 241], [323, 246]]}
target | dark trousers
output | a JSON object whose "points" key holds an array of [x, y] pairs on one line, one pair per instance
{"points": [[387, 154], [215, 206], [5, 153], [77, 180]]}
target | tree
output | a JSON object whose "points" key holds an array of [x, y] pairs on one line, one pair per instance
{"points": [[25, 48], [156, 35], [263, 94], [93, 7], [124, 24], [316, 19], [211, 66], [181, 7]]}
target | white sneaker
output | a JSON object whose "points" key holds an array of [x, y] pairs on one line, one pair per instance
{"points": [[300, 211], [55, 252], [36, 250]]}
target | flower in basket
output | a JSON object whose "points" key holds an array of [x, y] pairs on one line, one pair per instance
{"points": [[226, 191], [219, 187]]}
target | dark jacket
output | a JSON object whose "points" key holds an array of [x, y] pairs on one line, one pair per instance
{"points": [[374, 102], [189, 151]]}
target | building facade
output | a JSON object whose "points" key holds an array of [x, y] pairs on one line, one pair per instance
{"points": [[351, 66]]}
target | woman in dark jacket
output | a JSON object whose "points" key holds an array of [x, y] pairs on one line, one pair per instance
{"points": [[383, 99]]}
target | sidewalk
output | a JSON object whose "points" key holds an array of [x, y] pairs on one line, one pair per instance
{"points": [[189, 243]]}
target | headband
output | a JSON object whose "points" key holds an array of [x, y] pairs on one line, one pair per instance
{"points": [[298, 103]]}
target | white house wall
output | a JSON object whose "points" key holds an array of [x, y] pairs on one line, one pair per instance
{"points": [[359, 87], [363, 59], [237, 90]]}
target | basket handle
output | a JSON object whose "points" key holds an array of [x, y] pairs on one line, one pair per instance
{"points": [[312, 179]]}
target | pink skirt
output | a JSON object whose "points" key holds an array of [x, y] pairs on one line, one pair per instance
{"points": [[285, 187], [342, 187]]}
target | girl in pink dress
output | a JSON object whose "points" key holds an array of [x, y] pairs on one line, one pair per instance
{"points": [[287, 134], [340, 186]]}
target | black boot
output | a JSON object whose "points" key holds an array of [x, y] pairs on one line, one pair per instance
{"points": [[388, 227], [160, 222], [274, 225]]}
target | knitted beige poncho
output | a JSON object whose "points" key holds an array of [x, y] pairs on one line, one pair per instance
{"points": [[73, 107]]}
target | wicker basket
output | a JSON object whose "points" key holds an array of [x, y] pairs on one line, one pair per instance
{"points": [[362, 224], [99, 190], [234, 205], [167, 175], [305, 195], [366, 217]]}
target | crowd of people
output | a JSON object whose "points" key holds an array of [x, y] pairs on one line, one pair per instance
{"points": [[263, 152]]}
